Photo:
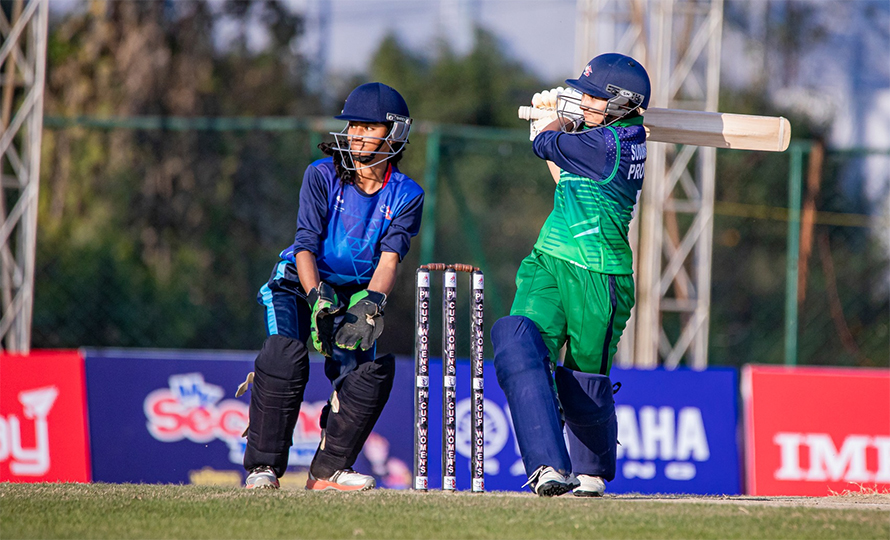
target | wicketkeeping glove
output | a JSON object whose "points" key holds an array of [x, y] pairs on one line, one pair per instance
{"points": [[323, 301], [363, 323]]}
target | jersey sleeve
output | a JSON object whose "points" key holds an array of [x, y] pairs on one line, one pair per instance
{"points": [[578, 153], [312, 213], [403, 227]]}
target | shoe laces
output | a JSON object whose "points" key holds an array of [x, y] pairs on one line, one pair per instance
{"points": [[261, 469], [344, 473], [533, 479]]}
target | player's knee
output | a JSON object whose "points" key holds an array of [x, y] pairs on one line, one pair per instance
{"points": [[586, 398], [352, 414], [518, 346], [283, 358], [591, 425], [370, 384]]}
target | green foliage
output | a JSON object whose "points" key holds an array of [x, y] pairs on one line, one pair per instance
{"points": [[160, 238], [842, 309]]}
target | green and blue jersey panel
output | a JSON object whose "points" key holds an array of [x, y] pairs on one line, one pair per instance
{"points": [[601, 172]]}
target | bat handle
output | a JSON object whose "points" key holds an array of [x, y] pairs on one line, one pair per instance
{"points": [[533, 113]]}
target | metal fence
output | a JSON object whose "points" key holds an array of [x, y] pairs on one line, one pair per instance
{"points": [[158, 233]]}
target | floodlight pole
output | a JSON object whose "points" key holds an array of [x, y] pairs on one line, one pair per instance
{"points": [[23, 29], [679, 42]]}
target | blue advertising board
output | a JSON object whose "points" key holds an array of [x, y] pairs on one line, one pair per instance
{"points": [[677, 429], [171, 417], [678, 432]]}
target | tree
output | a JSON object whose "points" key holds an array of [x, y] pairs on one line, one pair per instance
{"points": [[186, 224]]}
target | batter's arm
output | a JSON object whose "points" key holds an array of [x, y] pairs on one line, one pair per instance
{"points": [[554, 170]]}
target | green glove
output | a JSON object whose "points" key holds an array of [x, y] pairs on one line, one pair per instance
{"points": [[325, 307], [363, 323]]}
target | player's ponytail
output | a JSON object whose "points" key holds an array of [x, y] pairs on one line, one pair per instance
{"points": [[346, 176]]}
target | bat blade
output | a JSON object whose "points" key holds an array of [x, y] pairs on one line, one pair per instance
{"points": [[701, 128], [720, 130]]}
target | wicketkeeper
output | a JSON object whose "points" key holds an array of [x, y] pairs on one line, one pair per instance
{"points": [[355, 221], [576, 287]]}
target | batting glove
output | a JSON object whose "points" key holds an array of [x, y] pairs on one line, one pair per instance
{"points": [[364, 321], [325, 307], [536, 126]]}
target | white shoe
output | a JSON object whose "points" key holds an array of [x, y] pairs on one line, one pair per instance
{"points": [[261, 477], [591, 486], [548, 482], [342, 480]]}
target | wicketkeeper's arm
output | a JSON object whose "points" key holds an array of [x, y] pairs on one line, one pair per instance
{"points": [[307, 269], [384, 278]]}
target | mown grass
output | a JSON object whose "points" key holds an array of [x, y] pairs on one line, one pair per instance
{"points": [[194, 512]]}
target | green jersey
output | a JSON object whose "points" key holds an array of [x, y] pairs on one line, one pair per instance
{"points": [[601, 172]]}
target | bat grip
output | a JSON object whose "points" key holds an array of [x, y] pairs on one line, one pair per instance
{"points": [[533, 113]]}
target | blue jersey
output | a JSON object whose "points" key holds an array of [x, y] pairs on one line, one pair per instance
{"points": [[347, 229]]}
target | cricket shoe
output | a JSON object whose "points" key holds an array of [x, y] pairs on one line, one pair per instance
{"points": [[342, 480], [261, 477], [591, 486], [548, 482]]}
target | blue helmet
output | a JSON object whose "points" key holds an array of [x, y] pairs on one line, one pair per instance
{"points": [[618, 78], [378, 104]]}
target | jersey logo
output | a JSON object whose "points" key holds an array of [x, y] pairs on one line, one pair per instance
{"points": [[593, 230], [387, 212]]}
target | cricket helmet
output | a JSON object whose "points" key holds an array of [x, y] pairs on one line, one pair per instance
{"points": [[374, 103], [618, 78], [378, 103]]}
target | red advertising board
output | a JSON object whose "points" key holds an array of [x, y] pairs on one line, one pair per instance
{"points": [[816, 431], [43, 426]]}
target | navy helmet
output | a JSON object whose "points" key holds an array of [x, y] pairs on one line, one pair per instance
{"points": [[618, 78], [374, 103], [378, 103]]}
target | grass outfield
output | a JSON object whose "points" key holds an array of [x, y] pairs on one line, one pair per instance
{"points": [[195, 512]]}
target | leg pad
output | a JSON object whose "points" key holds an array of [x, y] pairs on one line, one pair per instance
{"points": [[591, 423], [352, 414], [522, 365], [281, 374]]}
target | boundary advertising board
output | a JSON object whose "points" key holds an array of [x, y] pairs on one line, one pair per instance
{"points": [[811, 431], [171, 417], [43, 431]]}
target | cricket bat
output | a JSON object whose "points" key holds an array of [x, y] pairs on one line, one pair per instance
{"points": [[701, 128]]}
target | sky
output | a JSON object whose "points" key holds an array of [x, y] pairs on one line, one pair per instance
{"points": [[852, 58], [538, 33]]}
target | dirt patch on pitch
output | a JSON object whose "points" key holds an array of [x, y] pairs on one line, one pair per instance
{"points": [[859, 501]]}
